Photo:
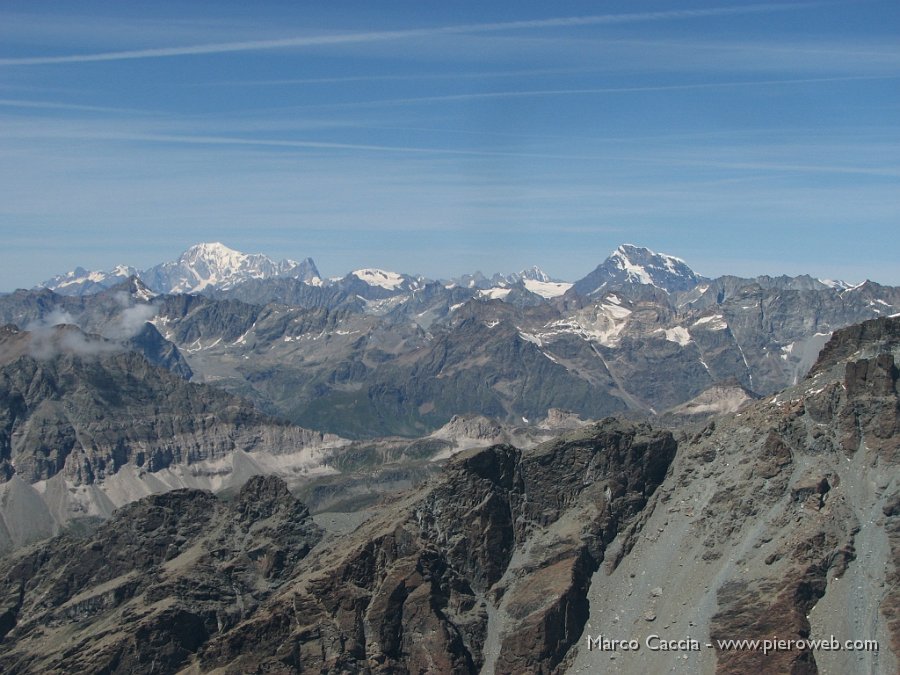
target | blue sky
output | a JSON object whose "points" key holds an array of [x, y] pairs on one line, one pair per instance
{"points": [[440, 138]]}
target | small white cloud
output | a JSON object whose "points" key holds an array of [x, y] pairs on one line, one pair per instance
{"points": [[131, 321]]}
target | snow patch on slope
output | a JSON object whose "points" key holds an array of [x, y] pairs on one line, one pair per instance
{"points": [[714, 322], [547, 289], [375, 277], [494, 293], [679, 335], [601, 323]]}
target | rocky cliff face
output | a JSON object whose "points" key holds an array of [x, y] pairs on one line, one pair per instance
{"points": [[486, 566], [778, 520], [865, 339], [87, 412]]}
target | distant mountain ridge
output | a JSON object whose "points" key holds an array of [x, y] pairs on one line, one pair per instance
{"points": [[202, 266], [84, 282], [379, 353], [214, 264], [213, 268]]}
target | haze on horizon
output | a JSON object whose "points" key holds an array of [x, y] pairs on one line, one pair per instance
{"points": [[744, 137]]}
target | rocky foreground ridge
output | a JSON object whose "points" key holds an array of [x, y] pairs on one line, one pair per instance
{"points": [[488, 565]]}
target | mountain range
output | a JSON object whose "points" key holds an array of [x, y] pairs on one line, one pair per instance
{"points": [[376, 355], [379, 353], [206, 265], [211, 267]]}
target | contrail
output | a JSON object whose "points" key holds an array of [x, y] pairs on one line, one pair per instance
{"points": [[525, 93], [383, 36]]}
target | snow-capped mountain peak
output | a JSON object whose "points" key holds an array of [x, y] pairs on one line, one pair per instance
{"points": [[214, 264], [630, 264], [837, 284], [216, 254], [641, 264]]}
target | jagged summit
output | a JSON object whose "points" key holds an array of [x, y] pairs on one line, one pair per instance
{"points": [[134, 287], [630, 264], [862, 340], [534, 273]]}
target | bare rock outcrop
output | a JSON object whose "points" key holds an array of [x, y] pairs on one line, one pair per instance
{"points": [[148, 588]]}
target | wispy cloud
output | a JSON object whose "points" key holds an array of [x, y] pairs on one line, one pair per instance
{"points": [[535, 93], [639, 55], [777, 167], [383, 36], [50, 337], [486, 74], [207, 140], [54, 105], [796, 158]]}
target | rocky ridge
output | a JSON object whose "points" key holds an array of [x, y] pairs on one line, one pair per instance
{"points": [[421, 586]]}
